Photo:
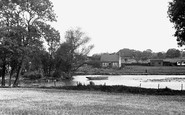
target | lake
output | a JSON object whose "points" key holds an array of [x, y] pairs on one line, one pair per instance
{"points": [[176, 82]]}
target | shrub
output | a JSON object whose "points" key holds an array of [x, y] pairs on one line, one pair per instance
{"points": [[34, 75], [91, 83], [57, 74], [95, 63], [79, 84]]}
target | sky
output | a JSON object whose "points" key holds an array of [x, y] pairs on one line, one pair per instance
{"points": [[116, 24]]}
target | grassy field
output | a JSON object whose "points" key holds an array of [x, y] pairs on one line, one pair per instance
{"points": [[30, 101], [139, 70]]}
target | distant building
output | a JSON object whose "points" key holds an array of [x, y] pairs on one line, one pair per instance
{"points": [[110, 61], [175, 62], [168, 62], [156, 62]]}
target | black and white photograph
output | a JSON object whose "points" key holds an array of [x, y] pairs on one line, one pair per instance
{"points": [[92, 57]]}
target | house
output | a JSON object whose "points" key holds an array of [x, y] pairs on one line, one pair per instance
{"points": [[156, 62], [110, 60], [168, 62], [175, 61]]}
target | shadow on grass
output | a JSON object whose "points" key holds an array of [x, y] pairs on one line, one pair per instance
{"points": [[122, 89]]}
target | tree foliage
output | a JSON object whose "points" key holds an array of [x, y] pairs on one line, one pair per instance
{"points": [[176, 13], [173, 53], [161, 55], [24, 27], [73, 52], [135, 54]]}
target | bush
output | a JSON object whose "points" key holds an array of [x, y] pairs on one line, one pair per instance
{"points": [[57, 74], [32, 75], [95, 63], [91, 83]]}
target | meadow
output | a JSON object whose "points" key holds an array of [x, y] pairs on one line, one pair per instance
{"points": [[95, 100], [34, 101], [135, 70]]}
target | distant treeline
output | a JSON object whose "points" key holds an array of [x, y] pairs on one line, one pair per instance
{"points": [[144, 55], [139, 56]]}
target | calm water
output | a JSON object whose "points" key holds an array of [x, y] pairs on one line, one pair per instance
{"points": [[147, 81]]}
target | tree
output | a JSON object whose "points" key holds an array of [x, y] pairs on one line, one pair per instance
{"points": [[176, 13], [96, 57], [173, 53], [13, 64], [53, 39], [45, 61], [73, 52], [94, 60], [5, 36], [127, 53], [138, 55], [149, 50], [25, 23], [183, 54], [147, 54], [5, 54], [161, 55]]}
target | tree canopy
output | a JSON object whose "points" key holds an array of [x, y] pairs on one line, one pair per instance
{"points": [[23, 29], [176, 13], [72, 54], [173, 53]]}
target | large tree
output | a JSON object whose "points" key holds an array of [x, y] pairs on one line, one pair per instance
{"points": [[5, 55], [173, 53], [147, 54], [25, 21], [73, 52], [53, 41], [161, 55], [6, 35], [176, 13]]}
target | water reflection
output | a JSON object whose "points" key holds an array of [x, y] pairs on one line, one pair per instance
{"points": [[146, 81]]}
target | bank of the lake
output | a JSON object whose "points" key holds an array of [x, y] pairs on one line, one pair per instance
{"points": [[134, 70], [121, 89]]}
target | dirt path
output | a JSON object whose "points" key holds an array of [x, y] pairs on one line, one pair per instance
{"points": [[61, 102]]}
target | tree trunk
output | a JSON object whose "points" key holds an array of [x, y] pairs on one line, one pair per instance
{"points": [[10, 79], [15, 84], [50, 65], [3, 74], [49, 73]]}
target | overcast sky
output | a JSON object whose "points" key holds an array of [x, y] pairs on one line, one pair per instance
{"points": [[116, 24]]}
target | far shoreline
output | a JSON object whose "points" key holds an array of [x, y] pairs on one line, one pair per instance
{"points": [[129, 74], [134, 70]]}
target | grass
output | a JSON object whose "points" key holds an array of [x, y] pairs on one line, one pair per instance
{"points": [[139, 70], [31, 101]]}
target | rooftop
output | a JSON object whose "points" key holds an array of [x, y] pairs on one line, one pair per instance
{"points": [[109, 58]]}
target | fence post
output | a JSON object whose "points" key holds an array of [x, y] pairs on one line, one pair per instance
{"points": [[55, 83], [140, 85], [158, 86], [181, 87]]}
